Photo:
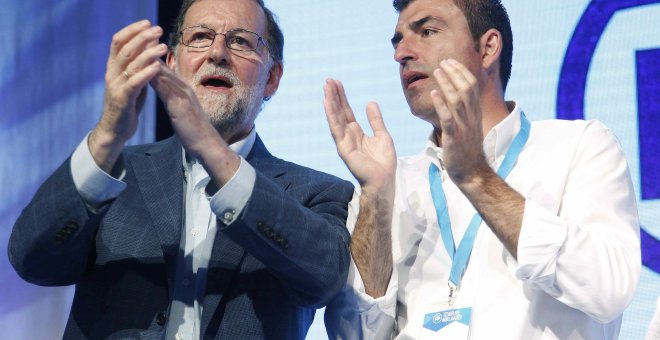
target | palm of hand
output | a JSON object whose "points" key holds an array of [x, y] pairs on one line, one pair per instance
{"points": [[367, 156]]}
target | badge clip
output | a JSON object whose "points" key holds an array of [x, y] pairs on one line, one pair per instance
{"points": [[453, 290]]}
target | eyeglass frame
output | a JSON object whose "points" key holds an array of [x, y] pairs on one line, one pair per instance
{"points": [[260, 39]]}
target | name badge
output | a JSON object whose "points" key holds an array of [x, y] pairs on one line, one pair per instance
{"points": [[447, 324]]}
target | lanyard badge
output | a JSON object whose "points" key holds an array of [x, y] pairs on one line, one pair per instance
{"points": [[459, 257]]}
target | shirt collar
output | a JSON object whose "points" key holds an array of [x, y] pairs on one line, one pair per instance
{"points": [[496, 142], [243, 146], [498, 139]]}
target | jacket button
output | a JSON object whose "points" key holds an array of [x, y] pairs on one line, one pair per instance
{"points": [[72, 225], [59, 237], [161, 319]]}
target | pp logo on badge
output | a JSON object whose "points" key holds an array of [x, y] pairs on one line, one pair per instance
{"points": [[438, 320]]}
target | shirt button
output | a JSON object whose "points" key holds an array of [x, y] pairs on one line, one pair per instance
{"points": [[194, 231], [186, 282], [178, 336]]}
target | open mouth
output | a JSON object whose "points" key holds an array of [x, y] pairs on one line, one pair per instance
{"points": [[216, 82], [411, 77]]}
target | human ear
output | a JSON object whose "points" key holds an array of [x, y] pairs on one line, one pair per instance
{"points": [[273, 82], [490, 45]]}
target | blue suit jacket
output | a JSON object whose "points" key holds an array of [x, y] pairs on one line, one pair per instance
{"points": [[286, 255]]}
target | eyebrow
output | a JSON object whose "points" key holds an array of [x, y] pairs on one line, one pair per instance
{"points": [[415, 26]]}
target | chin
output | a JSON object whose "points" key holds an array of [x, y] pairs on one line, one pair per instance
{"points": [[420, 106], [424, 112]]}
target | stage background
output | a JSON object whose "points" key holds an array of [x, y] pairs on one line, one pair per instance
{"points": [[572, 58]]}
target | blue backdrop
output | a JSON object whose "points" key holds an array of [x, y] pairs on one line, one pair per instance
{"points": [[51, 94], [591, 59]]}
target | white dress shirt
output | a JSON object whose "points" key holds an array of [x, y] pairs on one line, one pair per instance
{"points": [[96, 186], [578, 252]]}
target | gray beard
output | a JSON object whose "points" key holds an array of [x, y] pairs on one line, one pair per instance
{"points": [[228, 114]]}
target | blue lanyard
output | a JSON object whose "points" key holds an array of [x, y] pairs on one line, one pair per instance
{"points": [[461, 255]]}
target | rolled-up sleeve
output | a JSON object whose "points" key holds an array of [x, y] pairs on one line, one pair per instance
{"points": [[587, 255], [354, 314]]}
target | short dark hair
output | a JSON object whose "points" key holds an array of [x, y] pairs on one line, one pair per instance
{"points": [[481, 16], [274, 37]]}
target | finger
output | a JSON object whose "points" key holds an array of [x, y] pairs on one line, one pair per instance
{"points": [[446, 89], [337, 104], [152, 43], [132, 86], [336, 119], [165, 82], [461, 78], [133, 49], [153, 54], [181, 105], [375, 118], [466, 75], [452, 101], [138, 44], [343, 102], [445, 115], [145, 58], [172, 89], [125, 34], [331, 98]]}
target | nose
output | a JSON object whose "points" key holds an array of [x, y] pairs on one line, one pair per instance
{"points": [[404, 51], [218, 52]]}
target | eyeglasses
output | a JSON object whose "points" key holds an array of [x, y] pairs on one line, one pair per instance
{"points": [[239, 39]]}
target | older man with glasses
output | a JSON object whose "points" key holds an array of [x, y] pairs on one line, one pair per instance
{"points": [[203, 235]]}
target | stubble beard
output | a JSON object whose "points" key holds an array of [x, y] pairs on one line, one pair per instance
{"points": [[226, 112], [421, 107]]}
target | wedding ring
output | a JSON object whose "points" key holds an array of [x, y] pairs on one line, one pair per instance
{"points": [[126, 75]]}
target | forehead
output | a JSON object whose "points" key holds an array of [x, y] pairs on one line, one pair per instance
{"points": [[419, 9], [226, 15]]}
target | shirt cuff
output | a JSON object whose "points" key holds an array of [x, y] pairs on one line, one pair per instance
{"points": [[542, 237], [230, 200], [94, 185], [368, 305]]}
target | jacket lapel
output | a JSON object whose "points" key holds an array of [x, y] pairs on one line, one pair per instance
{"points": [[266, 164], [159, 173]]}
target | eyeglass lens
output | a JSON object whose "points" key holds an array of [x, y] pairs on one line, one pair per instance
{"points": [[203, 37]]}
